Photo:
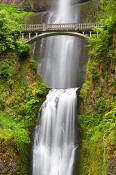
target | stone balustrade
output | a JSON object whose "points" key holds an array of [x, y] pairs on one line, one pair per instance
{"points": [[26, 28]]}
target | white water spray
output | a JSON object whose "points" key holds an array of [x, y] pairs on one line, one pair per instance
{"points": [[54, 144], [60, 62]]}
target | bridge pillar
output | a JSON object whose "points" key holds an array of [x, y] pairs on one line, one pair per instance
{"points": [[29, 35], [90, 34], [22, 36], [36, 34], [44, 27]]}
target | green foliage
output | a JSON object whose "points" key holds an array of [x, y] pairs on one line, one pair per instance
{"points": [[20, 101], [102, 50], [95, 76], [107, 8], [98, 98], [89, 120], [15, 13], [4, 70], [21, 137], [17, 130], [10, 30], [28, 107], [112, 83], [98, 140], [33, 64], [101, 47], [100, 105], [7, 40], [23, 50], [22, 90], [20, 97], [42, 89], [2, 104]]}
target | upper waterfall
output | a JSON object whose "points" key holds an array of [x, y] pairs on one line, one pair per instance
{"points": [[60, 61]]}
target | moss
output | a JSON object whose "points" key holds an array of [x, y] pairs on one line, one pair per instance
{"points": [[97, 121], [21, 95], [98, 104], [88, 11]]}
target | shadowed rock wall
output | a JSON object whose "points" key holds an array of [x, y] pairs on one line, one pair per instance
{"points": [[34, 5]]}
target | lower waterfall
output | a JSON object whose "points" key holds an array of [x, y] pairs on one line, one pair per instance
{"points": [[54, 143]]}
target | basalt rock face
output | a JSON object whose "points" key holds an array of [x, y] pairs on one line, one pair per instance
{"points": [[31, 5], [35, 5]]}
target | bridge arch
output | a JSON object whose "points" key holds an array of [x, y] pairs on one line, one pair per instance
{"points": [[48, 34]]}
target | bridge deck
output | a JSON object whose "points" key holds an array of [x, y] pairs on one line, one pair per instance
{"points": [[26, 28]]}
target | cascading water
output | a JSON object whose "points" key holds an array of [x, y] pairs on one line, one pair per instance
{"points": [[60, 61], [54, 144], [55, 136]]}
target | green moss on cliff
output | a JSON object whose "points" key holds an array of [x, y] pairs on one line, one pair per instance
{"points": [[22, 93], [88, 10], [97, 117]]}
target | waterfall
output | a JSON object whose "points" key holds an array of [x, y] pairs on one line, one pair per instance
{"points": [[54, 143], [55, 136], [59, 64]]}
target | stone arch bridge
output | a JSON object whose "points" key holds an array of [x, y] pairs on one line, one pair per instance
{"points": [[32, 32]]}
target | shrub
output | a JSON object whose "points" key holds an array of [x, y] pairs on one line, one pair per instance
{"points": [[42, 89], [89, 120], [95, 76], [30, 106], [101, 47], [2, 103], [23, 51], [21, 137], [7, 71], [17, 129], [112, 83], [4, 70], [10, 27], [33, 64], [100, 105]]}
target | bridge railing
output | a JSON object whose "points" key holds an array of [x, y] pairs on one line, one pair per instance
{"points": [[59, 27], [32, 27], [82, 26]]}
